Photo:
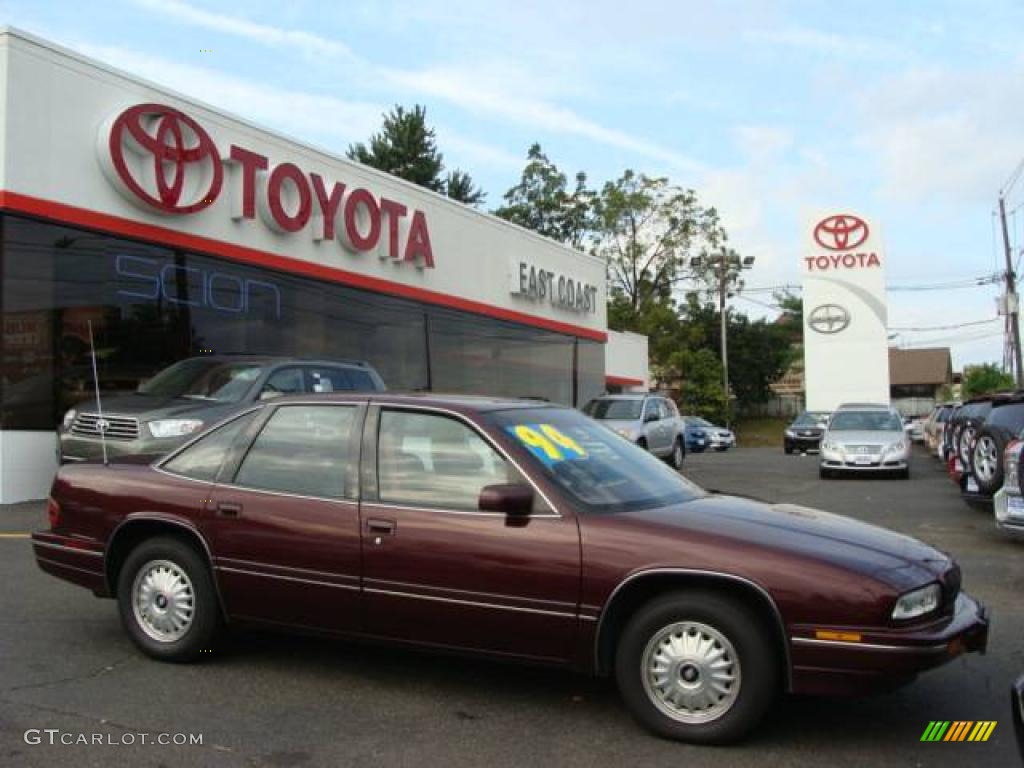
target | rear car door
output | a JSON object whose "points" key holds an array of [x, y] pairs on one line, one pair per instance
{"points": [[284, 520], [438, 570], [654, 431]]}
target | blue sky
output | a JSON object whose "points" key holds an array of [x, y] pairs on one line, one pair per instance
{"points": [[910, 112]]}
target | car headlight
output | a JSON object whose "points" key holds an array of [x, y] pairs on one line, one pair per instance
{"points": [[69, 419], [899, 445], [174, 427], [917, 603], [699, 433], [790, 433], [828, 445]]}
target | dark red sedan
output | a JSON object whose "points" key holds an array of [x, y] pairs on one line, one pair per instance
{"points": [[508, 528]]}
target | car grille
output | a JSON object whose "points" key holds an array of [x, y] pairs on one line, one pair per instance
{"points": [[117, 427], [864, 450]]}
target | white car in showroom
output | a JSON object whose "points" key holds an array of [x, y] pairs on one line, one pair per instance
{"points": [[865, 438]]}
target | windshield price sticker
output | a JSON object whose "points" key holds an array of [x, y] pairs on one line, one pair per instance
{"points": [[547, 443]]}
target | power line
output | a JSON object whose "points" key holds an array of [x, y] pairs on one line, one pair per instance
{"points": [[945, 327], [952, 339]]}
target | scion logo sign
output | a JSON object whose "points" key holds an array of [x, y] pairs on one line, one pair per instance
{"points": [[162, 160], [829, 318], [842, 232]]}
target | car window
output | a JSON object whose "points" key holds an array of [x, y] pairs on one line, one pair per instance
{"points": [[429, 460], [361, 380], [1009, 417], [671, 410], [203, 459], [651, 406], [324, 379], [866, 421], [286, 381], [612, 410], [198, 379], [303, 449]]}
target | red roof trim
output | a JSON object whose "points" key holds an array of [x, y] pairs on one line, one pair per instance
{"points": [[623, 381], [68, 214]]}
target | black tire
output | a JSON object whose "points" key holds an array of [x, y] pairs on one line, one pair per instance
{"points": [[201, 632], [752, 650], [678, 455], [642, 442], [787, 448], [904, 474], [988, 439], [824, 474]]}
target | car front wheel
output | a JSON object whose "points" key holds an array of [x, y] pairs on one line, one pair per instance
{"points": [[678, 454], [698, 667], [167, 600]]}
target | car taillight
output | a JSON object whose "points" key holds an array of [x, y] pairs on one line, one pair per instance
{"points": [[1011, 465], [53, 512]]}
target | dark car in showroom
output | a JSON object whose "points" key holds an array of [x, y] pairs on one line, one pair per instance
{"points": [[193, 393], [1004, 422], [804, 433], [511, 529]]}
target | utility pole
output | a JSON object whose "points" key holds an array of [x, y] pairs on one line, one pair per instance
{"points": [[1012, 310]]}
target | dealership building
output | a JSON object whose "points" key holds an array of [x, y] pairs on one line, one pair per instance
{"points": [[175, 230]]}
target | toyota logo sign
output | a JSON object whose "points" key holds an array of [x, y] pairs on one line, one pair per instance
{"points": [[842, 232], [162, 158], [829, 318]]}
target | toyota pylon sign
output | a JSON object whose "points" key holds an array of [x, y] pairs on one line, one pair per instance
{"points": [[846, 356]]}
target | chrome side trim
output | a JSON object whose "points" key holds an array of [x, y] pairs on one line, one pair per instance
{"points": [[697, 572], [495, 595], [385, 505], [64, 548], [233, 560], [246, 572], [868, 646], [473, 603]]}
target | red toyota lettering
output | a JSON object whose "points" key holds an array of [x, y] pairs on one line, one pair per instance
{"points": [[250, 163], [418, 246], [329, 204]]}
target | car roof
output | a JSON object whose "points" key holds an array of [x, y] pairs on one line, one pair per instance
{"points": [[864, 407], [454, 401], [277, 359]]}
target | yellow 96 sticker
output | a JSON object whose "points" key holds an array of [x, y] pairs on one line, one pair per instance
{"points": [[547, 443]]}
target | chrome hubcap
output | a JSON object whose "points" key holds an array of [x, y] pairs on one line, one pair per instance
{"points": [[163, 600], [985, 458], [691, 672]]}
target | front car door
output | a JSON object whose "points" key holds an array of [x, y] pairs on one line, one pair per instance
{"points": [[654, 431], [284, 519], [438, 570]]}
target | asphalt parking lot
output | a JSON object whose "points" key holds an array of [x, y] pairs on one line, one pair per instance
{"points": [[273, 700]]}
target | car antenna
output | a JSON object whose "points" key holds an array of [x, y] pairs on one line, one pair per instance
{"points": [[100, 426]]}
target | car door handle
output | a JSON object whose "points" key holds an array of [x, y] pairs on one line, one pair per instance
{"points": [[381, 527], [229, 509]]}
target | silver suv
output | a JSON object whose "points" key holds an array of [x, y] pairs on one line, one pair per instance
{"points": [[651, 421]]}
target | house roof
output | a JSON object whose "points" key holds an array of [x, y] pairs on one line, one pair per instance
{"points": [[920, 366]]}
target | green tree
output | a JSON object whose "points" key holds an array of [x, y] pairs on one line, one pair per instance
{"points": [[647, 231], [543, 202], [407, 147], [984, 379]]}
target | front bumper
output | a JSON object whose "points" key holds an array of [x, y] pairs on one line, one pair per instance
{"points": [[1012, 524], [803, 442], [885, 462], [885, 658]]}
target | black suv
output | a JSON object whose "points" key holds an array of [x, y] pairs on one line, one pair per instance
{"points": [[192, 394], [1003, 423], [964, 425], [805, 432]]}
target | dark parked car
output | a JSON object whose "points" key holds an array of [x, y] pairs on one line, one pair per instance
{"points": [[183, 398], [508, 528], [804, 434], [1004, 422]]}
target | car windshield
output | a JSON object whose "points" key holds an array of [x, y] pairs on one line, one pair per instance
{"points": [[810, 419], [600, 470], [620, 410], [212, 380], [697, 421], [866, 421]]}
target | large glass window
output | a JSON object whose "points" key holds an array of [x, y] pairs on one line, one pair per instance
{"points": [[303, 449], [425, 459]]}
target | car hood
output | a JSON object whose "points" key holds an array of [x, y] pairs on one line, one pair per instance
{"points": [[150, 407], [865, 437], [806, 532]]}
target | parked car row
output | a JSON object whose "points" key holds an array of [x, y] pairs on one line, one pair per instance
{"points": [[981, 442]]}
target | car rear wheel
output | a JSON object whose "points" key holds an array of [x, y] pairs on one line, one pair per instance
{"points": [[167, 600], [987, 462], [698, 667], [678, 455]]}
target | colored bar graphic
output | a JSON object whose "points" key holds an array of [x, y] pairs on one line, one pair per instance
{"points": [[958, 730]]}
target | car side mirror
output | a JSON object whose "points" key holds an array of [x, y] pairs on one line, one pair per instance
{"points": [[268, 394], [650, 417], [512, 499]]}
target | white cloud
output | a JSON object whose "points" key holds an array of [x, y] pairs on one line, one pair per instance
{"points": [[763, 142], [823, 43]]}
